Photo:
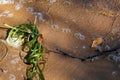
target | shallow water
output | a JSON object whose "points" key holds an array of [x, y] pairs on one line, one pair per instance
{"points": [[68, 25]]}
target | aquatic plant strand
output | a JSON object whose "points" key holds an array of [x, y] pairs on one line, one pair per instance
{"points": [[26, 35]]}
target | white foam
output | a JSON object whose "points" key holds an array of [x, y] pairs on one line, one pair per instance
{"points": [[67, 2], [12, 77], [76, 47], [39, 15], [5, 71], [6, 13], [30, 0], [10, 15], [84, 47], [30, 9], [18, 6], [1, 15], [114, 57], [79, 36], [74, 20], [54, 26], [116, 30], [119, 66], [14, 56], [3, 41], [19, 68], [6, 1], [114, 73], [22, 1], [52, 1]]}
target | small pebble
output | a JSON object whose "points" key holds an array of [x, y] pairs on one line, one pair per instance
{"points": [[54, 26], [15, 61], [52, 1], [66, 30]]}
